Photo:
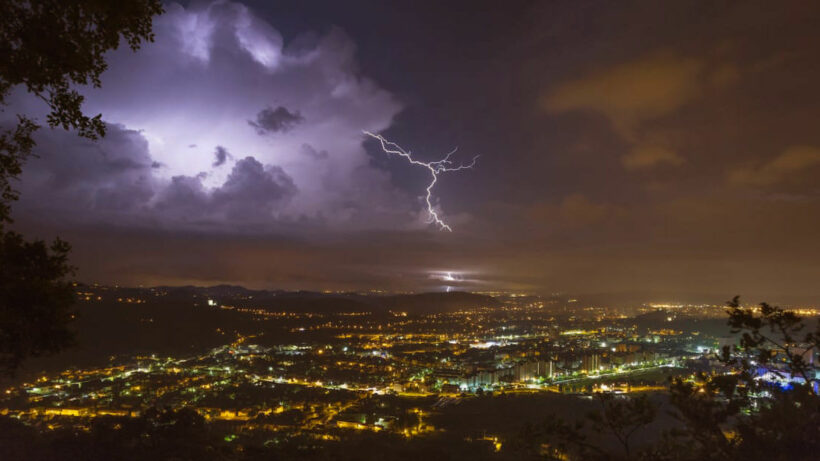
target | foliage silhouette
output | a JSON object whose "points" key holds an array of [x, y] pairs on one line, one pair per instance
{"points": [[48, 48], [721, 416]]}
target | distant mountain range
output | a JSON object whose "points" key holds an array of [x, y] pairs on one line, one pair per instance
{"points": [[306, 301]]}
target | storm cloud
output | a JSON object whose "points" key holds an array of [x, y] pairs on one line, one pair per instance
{"points": [[678, 155], [221, 155], [212, 165], [251, 192], [275, 120], [68, 175]]}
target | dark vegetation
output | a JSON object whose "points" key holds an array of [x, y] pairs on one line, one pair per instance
{"points": [[720, 416], [47, 48]]}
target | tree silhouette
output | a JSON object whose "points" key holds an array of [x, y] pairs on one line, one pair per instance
{"points": [[35, 299], [733, 415], [47, 47]]}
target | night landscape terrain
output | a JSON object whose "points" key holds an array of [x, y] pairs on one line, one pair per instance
{"points": [[368, 230]]}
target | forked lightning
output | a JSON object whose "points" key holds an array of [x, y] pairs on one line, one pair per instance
{"points": [[437, 167]]}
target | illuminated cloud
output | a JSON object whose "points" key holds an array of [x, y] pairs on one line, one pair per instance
{"points": [[216, 78], [112, 177], [312, 153], [790, 166], [646, 156], [446, 276], [251, 192], [631, 93]]}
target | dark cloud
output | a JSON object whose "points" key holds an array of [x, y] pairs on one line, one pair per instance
{"points": [[184, 199], [112, 180], [124, 197], [253, 191], [221, 155], [72, 175], [275, 120], [311, 152], [677, 155]]}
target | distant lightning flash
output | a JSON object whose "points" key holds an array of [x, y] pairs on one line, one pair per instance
{"points": [[437, 167]]}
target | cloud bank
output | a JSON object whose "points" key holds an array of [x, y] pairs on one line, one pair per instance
{"points": [[223, 125]]}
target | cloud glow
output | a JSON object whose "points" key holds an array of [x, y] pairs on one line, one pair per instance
{"points": [[218, 79]]}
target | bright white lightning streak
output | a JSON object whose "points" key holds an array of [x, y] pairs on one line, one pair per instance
{"points": [[437, 167]]}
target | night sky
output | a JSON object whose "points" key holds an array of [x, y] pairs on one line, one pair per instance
{"points": [[664, 149]]}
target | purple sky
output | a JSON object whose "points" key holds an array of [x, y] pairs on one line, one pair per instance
{"points": [[670, 150]]}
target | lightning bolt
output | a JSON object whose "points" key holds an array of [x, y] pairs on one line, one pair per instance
{"points": [[435, 168]]}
